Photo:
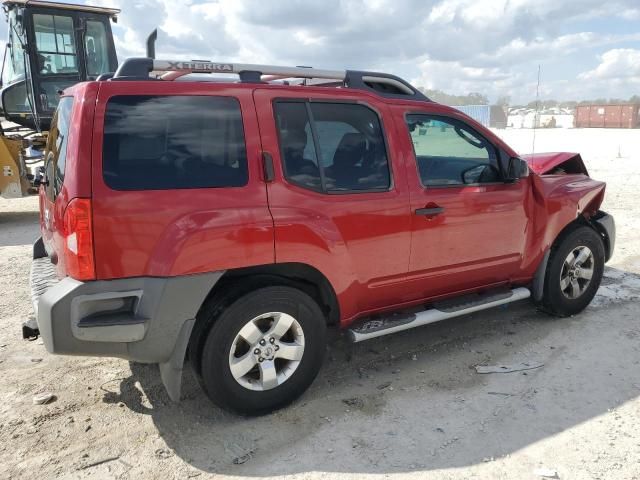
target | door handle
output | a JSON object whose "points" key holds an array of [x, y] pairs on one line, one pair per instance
{"points": [[430, 212], [267, 167]]}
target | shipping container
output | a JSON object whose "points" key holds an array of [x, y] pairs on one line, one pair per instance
{"points": [[488, 115], [608, 116]]}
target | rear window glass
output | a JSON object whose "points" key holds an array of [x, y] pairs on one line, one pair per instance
{"points": [[171, 142], [56, 156]]}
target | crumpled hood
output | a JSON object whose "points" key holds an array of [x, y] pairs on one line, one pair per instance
{"points": [[555, 162]]}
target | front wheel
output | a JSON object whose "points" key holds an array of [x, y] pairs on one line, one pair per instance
{"points": [[263, 351], [574, 272]]}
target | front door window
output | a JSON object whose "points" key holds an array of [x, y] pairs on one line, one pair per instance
{"points": [[448, 153]]}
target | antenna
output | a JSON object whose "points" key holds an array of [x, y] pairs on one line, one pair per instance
{"points": [[535, 117]]}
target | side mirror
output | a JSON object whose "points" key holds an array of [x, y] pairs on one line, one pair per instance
{"points": [[517, 169]]}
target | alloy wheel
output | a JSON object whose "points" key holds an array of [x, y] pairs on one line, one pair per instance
{"points": [[266, 351], [576, 272]]}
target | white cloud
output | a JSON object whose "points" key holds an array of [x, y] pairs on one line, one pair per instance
{"points": [[491, 46], [619, 63], [456, 78]]}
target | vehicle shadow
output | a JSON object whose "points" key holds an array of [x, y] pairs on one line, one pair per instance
{"points": [[19, 228], [412, 401]]}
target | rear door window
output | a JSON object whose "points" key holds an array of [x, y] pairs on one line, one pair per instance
{"points": [[332, 147], [173, 142]]}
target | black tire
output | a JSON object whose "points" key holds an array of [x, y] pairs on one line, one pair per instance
{"points": [[554, 301], [215, 373]]}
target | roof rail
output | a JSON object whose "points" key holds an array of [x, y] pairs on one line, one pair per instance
{"points": [[380, 83]]}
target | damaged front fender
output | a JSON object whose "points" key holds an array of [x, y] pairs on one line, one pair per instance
{"points": [[558, 200], [556, 163]]}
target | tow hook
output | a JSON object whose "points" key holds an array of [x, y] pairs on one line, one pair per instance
{"points": [[30, 330]]}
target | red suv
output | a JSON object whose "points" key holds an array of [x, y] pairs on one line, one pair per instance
{"points": [[231, 221]]}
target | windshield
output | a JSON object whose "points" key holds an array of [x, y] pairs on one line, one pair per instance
{"points": [[55, 42]]}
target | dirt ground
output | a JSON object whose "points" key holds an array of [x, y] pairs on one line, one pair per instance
{"points": [[405, 406]]}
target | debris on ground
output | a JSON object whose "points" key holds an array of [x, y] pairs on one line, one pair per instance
{"points": [[43, 398], [243, 458], [502, 394], [517, 367], [384, 385], [546, 472], [163, 453], [99, 462], [355, 402]]}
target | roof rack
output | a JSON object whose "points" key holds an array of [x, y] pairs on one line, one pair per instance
{"points": [[382, 84]]}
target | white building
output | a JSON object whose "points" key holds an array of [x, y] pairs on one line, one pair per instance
{"points": [[549, 118]]}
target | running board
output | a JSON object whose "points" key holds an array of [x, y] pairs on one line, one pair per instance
{"points": [[441, 311]]}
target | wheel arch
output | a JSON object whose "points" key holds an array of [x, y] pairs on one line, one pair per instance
{"points": [[237, 282], [298, 275], [540, 276]]}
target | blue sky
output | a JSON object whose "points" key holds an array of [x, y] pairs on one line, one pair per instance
{"points": [[586, 48]]}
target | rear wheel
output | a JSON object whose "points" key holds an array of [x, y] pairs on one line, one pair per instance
{"points": [[263, 350], [574, 272]]}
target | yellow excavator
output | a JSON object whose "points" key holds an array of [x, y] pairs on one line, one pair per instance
{"points": [[50, 46]]}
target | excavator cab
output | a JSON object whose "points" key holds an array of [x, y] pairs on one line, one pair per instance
{"points": [[51, 46]]}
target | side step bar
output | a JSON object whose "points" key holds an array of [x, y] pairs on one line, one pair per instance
{"points": [[441, 311]]}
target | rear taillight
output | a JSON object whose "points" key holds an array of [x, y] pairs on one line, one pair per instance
{"points": [[78, 240]]}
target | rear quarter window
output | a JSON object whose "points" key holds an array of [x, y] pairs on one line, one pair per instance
{"points": [[173, 142]]}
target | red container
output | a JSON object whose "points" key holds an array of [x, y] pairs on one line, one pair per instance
{"points": [[608, 116]]}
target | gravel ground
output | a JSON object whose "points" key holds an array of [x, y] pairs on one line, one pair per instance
{"points": [[405, 406]]}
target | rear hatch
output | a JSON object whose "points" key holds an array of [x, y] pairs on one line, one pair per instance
{"points": [[54, 161], [65, 195]]}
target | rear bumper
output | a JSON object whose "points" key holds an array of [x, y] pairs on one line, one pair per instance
{"points": [[607, 227], [144, 319], [137, 319]]}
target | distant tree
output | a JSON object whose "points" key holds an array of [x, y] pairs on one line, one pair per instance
{"points": [[568, 104], [455, 100], [476, 98], [503, 100]]}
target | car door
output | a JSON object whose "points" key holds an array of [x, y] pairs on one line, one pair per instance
{"points": [[339, 199], [468, 225]]}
